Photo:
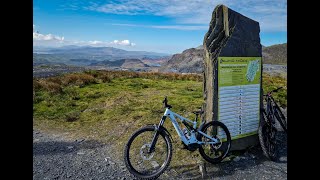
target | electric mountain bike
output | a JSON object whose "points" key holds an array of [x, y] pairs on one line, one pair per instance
{"points": [[148, 151], [267, 130]]}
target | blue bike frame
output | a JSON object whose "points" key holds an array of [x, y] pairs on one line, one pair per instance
{"points": [[187, 141], [192, 139]]}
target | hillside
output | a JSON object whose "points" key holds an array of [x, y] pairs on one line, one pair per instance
{"points": [[109, 106], [275, 54], [133, 63], [191, 60], [122, 63]]}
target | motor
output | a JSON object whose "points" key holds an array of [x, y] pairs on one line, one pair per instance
{"points": [[186, 133]]}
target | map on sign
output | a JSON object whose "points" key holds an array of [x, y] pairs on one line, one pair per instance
{"points": [[253, 68], [239, 94]]}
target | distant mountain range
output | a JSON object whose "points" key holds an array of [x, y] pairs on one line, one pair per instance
{"points": [[191, 60], [86, 55]]}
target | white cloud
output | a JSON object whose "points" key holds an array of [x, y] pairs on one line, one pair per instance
{"points": [[123, 43], [95, 42], [45, 37], [199, 11], [53, 40], [115, 43]]}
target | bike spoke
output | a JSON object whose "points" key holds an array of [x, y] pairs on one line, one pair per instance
{"points": [[215, 152], [141, 160]]}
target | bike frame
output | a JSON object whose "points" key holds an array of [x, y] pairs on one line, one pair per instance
{"points": [[276, 105], [270, 111], [193, 138]]}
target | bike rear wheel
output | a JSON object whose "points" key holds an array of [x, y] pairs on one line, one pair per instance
{"points": [[267, 137], [215, 153], [139, 161], [280, 117]]}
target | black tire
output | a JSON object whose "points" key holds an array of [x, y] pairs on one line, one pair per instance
{"points": [[127, 150], [222, 148], [280, 117], [267, 137]]}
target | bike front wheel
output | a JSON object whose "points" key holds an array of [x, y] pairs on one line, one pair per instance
{"points": [[215, 153], [143, 164]]}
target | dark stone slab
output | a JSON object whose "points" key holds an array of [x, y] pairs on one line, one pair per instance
{"points": [[230, 34]]}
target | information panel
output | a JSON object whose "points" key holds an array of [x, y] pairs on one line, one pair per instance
{"points": [[239, 94]]}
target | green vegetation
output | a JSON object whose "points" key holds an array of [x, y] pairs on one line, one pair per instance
{"points": [[273, 82], [109, 106]]}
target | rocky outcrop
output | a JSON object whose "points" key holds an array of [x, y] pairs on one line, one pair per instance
{"points": [[189, 61]]}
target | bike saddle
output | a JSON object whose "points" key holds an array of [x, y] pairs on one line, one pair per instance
{"points": [[197, 112]]}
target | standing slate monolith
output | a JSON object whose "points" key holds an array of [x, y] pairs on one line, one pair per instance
{"points": [[233, 66]]}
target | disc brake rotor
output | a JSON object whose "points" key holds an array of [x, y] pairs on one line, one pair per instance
{"points": [[218, 145], [144, 152]]}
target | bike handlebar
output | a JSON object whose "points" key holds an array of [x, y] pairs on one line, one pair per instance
{"points": [[275, 90], [165, 103]]}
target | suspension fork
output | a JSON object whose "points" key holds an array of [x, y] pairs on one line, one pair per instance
{"points": [[156, 135]]}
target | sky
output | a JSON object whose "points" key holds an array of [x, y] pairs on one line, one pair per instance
{"points": [[165, 26]]}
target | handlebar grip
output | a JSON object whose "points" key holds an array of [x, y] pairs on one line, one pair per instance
{"points": [[165, 100], [276, 90]]}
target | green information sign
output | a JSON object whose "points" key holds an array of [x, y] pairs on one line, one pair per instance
{"points": [[239, 81], [239, 71]]}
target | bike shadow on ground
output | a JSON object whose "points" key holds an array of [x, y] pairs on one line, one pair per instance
{"points": [[247, 160]]}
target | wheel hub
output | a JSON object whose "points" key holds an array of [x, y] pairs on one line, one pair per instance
{"points": [[218, 145], [145, 155]]}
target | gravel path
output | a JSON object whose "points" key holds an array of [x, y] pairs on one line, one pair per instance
{"points": [[57, 158], [275, 70], [54, 157]]}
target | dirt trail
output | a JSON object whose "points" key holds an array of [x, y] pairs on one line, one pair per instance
{"points": [[54, 157]]}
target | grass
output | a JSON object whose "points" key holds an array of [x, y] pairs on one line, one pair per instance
{"points": [[273, 82], [109, 106]]}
